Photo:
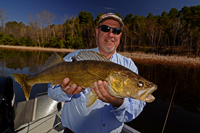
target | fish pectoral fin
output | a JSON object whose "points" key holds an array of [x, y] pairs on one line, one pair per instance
{"points": [[91, 97]]}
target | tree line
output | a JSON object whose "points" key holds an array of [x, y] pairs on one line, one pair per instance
{"points": [[174, 32]]}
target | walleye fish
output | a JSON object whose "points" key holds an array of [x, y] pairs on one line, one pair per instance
{"points": [[87, 68]]}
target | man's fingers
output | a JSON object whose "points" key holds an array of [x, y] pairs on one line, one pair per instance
{"points": [[103, 89], [96, 89], [71, 89], [66, 90], [105, 84], [77, 90], [64, 83], [99, 90]]}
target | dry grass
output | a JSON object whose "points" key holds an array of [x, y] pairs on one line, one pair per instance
{"points": [[164, 60]]}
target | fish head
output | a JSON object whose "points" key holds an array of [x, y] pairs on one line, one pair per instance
{"points": [[128, 84], [140, 88]]}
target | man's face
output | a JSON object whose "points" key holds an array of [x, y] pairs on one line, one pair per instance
{"points": [[108, 41]]}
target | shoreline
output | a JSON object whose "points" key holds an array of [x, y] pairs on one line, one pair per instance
{"points": [[138, 57], [30, 48]]}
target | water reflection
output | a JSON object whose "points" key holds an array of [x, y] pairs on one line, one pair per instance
{"points": [[24, 62], [184, 115], [185, 111], [187, 91], [22, 59]]}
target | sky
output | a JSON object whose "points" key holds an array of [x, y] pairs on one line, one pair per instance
{"points": [[18, 10]]}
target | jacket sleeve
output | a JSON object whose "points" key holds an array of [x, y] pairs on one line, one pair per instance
{"points": [[56, 93], [129, 110]]}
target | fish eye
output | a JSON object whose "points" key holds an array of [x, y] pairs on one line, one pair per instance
{"points": [[140, 84]]}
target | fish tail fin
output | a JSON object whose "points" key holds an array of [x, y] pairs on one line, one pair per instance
{"points": [[91, 97], [21, 79]]}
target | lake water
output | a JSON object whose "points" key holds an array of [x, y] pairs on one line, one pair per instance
{"points": [[184, 115]]}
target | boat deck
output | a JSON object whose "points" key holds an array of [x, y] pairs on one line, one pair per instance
{"points": [[30, 117]]}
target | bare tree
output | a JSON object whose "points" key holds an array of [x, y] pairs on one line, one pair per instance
{"points": [[152, 31], [47, 20], [65, 18], [139, 31], [64, 26], [34, 24], [3, 16], [125, 34], [176, 26], [41, 25]]}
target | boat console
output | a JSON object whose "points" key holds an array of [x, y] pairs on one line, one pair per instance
{"points": [[7, 105]]}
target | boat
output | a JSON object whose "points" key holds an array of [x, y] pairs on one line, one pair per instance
{"points": [[41, 114]]}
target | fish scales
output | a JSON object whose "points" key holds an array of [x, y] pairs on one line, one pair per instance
{"points": [[78, 72]]}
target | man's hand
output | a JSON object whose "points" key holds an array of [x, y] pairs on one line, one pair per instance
{"points": [[101, 89], [73, 89]]}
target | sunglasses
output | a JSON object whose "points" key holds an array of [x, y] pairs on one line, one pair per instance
{"points": [[106, 28]]}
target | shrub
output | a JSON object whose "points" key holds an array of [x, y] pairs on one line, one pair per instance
{"points": [[2, 38], [54, 42], [62, 43], [74, 42], [22, 41], [45, 44], [10, 40]]}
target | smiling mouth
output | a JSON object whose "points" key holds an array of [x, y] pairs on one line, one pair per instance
{"points": [[109, 40]]}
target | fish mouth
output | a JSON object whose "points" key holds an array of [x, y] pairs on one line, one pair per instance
{"points": [[146, 95]]}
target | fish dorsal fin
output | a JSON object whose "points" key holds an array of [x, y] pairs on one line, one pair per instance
{"points": [[89, 55], [54, 59]]}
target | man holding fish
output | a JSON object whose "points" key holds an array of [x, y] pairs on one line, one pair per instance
{"points": [[108, 113], [101, 88]]}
